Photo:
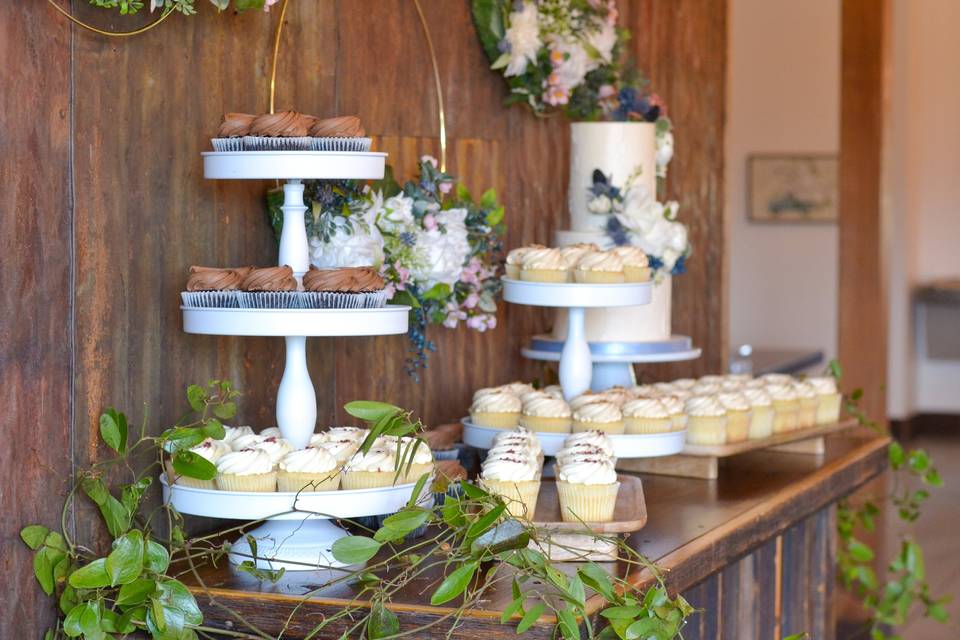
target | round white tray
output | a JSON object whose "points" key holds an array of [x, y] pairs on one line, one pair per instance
{"points": [[624, 446], [388, 320], [251, 505], [673, 356], [567, 294], [293, 165]]}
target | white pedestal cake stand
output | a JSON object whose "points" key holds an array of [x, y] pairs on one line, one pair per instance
{"points": [[297, 528], [575, 359], [613, 361]]}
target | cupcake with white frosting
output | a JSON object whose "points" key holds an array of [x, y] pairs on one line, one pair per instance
{"points": [[776, 378], [617, 395], [587, 489], [210, 450], [516, 479], [738, 416], [684, 383], [546, 414], [375, 468], [829, 408], [706, 421], [232, 433], [246, 470], [499, 410], [674, 405], [585, 398], [636, 266], [572, 254], [276, 448], [599, 267], [647, 415], [809, 404], [271, 432], [598, 416], [786, 406], [523, 439], [543, 265], [342, 449], [761, 406], [554, 390], [597, 439], [517, 387], [310, 469], [515, 259]]}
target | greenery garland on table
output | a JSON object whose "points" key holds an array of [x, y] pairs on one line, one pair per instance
{"points": [[186, 7], [438, 248]]}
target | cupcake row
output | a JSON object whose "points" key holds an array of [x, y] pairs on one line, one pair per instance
{"points": [[277, 288], [587, 484], [266, 462], [289, 131], [583, 262], [713, 409]]}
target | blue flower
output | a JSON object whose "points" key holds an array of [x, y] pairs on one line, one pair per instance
{"points": [[617, 232], [680, 266], [408, 238], [654, 262]]}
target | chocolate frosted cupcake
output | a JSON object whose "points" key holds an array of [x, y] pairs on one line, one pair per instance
{"points": [[270, 288], [343, 133], [344, 288], [281, 131], [232, 131], [213, 287]]}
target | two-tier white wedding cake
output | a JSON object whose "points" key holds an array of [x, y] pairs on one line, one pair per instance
{"points": [[626, 154]]}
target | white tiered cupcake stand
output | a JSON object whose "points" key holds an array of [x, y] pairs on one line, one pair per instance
{"points": [[576, 361], [297, 533]]}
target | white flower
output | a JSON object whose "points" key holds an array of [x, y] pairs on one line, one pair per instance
{"points": [[396, 214], [350, 246], [603, 40], [575, 65], [600, 205], [664, 153], [523, 36], [442, 254]]}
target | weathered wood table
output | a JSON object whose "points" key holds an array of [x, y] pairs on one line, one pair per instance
{"points": [[753, 549]]}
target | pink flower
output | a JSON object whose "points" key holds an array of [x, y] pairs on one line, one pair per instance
{"points": [[491, 322], [450, 322], [606, 91], [469, 277], [612, 15], [445, 187], [427, 158], [268, 4], [390, 290], [471, 301], [556, 96], [429, 222], [556, 58], [477, 323]]}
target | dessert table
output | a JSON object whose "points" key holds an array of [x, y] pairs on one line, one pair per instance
{"points": [[754, 549]]}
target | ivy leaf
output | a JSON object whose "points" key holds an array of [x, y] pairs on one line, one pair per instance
{"points": [[835, 370], [918, 460], [193, 465], [113, 430], [355, 549], [136, 592], [530, 617], [933, 478], [598, 580], [382, 622], [43, 571], [642, 628], [225, 411], [400, 524], [439, 291], [34, 535], [214, 428], [489, 199], [495, 216], [454, 584], [196, 396], [84, 620], [125, 561], [90, 576], [618, 613], [155, 557], [896, 455], [859, 551], [370, 411]]}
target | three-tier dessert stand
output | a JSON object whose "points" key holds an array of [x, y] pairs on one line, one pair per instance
{"points": [[298, 532]]}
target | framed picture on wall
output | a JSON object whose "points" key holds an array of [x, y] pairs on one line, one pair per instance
{"points": [[792, 187]]}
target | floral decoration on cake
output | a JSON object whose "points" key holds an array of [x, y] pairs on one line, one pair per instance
{"points": [[435, 246]]}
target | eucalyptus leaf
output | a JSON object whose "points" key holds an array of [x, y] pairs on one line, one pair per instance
{"points": [[355, 549], [454, 584], [567, 623], [511, 610], [530, 617], [400, 524], [382, 622], [599, 580], [370, 410]]}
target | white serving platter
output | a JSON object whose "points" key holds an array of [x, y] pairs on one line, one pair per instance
{"points": [[388, 320], [293, 165], [624, 446], [569, 294]]}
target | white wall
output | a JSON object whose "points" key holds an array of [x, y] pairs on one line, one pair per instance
{"points": [[925, 192], [784, 81]]}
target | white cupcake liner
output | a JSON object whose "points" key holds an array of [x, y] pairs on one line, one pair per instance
{"points": [[271, 299], [210, 299], [227, 144], [264, 143], [340, 144], [338, 300]]}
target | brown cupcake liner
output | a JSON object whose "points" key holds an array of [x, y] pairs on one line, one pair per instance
{"points": [[227, 144], [264, 143], [210, 299], [271, 299], [343, 300], [340, 144]]}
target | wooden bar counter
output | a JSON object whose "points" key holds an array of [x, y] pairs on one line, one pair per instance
{"points": [[753, 550]]}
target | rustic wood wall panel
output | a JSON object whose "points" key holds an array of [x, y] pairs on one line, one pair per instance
{"points": [[142, 110], [35, 297]]}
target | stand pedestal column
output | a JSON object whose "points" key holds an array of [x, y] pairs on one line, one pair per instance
{"points": [[296, 399]]}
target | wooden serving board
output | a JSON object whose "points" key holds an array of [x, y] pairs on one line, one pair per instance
{"points": [[703, 461], [571, 544]]}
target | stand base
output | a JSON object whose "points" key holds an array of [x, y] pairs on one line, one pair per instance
{"points": [[294, 545]]}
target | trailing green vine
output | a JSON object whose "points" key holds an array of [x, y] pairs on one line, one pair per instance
{"points": [[888, 599], [471, 546]]}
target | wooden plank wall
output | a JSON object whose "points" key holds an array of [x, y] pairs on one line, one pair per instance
{"points": [[105, 209], [784, 586]]}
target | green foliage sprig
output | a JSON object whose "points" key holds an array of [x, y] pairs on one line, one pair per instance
{"points": [[887, 599], [186, 7]]}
